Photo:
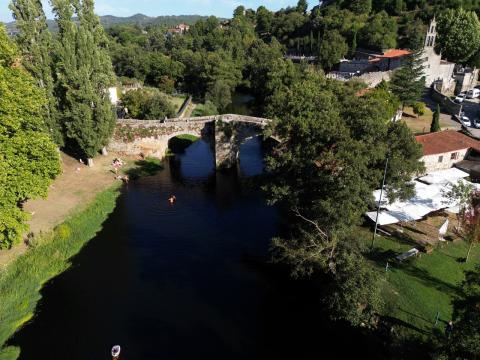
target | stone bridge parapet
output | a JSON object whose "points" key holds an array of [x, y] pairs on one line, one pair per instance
{"points": [[224, 133]]}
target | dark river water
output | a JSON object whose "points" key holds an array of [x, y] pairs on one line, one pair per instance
{"points": [[188, 281]]}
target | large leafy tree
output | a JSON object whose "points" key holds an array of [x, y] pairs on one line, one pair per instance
{"points": [[36, 44], [459, 35], [29, 160], [332, 48], [408, 82], [380, 32], [85, 73], [334, 143], [464, 340]]}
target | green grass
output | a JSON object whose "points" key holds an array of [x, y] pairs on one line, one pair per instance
{"points": [[417, 289], [199, 110], [179, 143], [176, 101], [50, 254]]}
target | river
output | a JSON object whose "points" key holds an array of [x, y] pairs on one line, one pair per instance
{"points": [[186, 281]]}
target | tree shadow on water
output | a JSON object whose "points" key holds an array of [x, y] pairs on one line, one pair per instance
{"points": [[146, 167]]}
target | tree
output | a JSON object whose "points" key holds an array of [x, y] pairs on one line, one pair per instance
{"points": [[324, 126], [239, 11], [37, 45], [355, 294], [264, 19], [29, 159], [332, 49], [458, 34], [302, 6], [380, 32], [85, 73], [408, 82], [361, 6], [147, 104], [419, 108], [220, 94], [464, 340], [436, 120]]}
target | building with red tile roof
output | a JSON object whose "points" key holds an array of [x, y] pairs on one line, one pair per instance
{"points": [[443, 149]]}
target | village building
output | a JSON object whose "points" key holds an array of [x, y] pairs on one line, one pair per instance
{"points": [[444, 149], [436, 70], [179, 29]]}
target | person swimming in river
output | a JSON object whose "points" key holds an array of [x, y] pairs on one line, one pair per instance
{"points": [[172, 199]]}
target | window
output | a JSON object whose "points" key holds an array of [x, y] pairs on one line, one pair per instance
{"points": [[454, 156], [440, 159]]}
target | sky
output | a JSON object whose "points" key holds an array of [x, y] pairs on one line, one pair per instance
{"points": [[220, 8]]}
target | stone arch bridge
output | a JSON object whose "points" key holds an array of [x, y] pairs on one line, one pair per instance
{"points": [[224, 133]]}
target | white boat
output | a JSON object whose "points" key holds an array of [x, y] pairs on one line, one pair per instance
{"points": [[116, 351]]}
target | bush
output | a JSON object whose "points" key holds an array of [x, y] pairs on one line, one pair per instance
{"points": [[147, 104], [63, 231]]}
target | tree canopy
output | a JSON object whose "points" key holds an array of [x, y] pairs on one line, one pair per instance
{"points": [[29, 159]]}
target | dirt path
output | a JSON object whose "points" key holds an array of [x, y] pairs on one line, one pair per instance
{"points": [[74, 189]]}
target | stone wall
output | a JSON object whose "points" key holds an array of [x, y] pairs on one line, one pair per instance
{"points": [[445, 102], [433, 163]]}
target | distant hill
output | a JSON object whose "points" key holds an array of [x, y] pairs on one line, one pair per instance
{"points": [[137, 19]]}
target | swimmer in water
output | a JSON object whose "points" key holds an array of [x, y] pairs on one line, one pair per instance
{"points": [[172, 199]]}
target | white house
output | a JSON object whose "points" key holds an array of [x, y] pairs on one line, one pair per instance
{"points": [[443, 149]]}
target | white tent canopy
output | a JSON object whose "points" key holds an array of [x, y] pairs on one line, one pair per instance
{"points": [[427, 199]]}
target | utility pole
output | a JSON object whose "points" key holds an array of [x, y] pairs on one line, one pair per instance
{"points": [[379, 202]]}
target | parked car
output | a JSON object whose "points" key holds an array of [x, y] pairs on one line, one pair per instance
{"points": [[460, 97], [476, 123], [464, 120], [473, 93]]}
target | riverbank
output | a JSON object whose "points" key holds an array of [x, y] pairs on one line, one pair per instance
{"points": [[71, 192], [48, 256]]}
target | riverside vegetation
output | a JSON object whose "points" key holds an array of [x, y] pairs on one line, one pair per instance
{"points": [[48, 256]]}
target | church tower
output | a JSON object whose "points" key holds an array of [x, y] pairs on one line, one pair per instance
{"points": [[431, 34]]}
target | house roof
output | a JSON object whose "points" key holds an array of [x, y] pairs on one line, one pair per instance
{"points": [[393, 53], [446, 141]]}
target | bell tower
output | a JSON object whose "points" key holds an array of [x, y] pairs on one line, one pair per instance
{"points": [[431, 34]]}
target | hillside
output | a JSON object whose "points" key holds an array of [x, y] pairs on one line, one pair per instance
{"points": [[137, 19]]}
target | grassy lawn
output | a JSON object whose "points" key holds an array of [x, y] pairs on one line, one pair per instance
{"points": [[418, 288], [49, 255], [177, 101], [198, 111], [421, 125]]}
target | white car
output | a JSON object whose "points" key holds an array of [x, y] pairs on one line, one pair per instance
{"points": [[472, 94], [465, 121], [460, 97]]}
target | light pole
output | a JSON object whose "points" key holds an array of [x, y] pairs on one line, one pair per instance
{"points": [[379, 202]]}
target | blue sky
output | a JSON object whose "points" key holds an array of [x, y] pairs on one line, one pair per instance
{"points": [[221, 8]]}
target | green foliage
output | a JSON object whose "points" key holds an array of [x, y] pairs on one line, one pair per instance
{"points": [[36, 44], [380, 32], [63, 231], [361, 6], [29, 160], [147, 104], [436, 120], [22, 280], [408, 82], [419, 108], [219, 94], [464, 340], [332, 49], [356, 291], [459, 35], [85, 73], [333, 152]]}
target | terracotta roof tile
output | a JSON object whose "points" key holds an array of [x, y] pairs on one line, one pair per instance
{"points": [[446, 141], [396, 53]]}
